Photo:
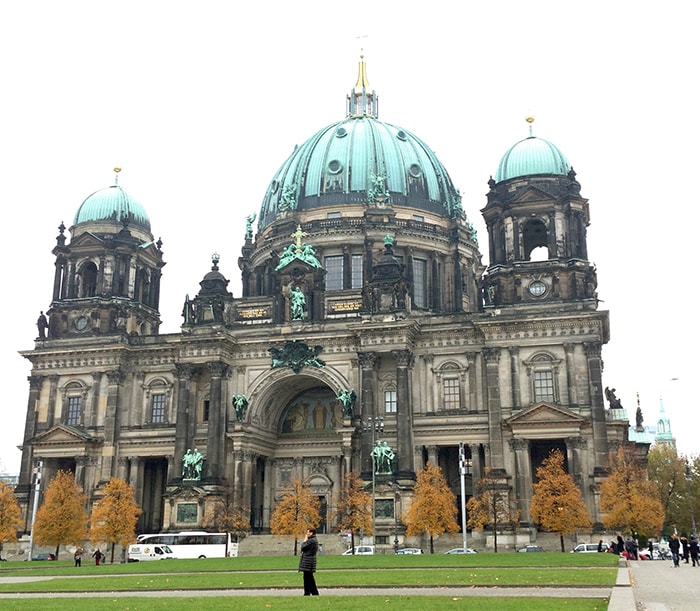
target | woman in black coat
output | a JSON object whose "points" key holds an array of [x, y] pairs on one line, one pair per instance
{"points": [[307, 562]]}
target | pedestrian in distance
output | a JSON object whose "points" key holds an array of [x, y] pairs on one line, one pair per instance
{"points": [[684, 546], [97, 555], [694, 549], [675, 545], [78, 556], [307, 562]]}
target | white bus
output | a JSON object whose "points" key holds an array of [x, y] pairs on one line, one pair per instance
{"points": [[198, 544]]}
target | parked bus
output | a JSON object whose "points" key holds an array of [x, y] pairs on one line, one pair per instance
{"points": [[194, 544]]}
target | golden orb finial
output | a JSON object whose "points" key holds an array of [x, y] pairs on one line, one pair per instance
{"points": [[117, 170], [530, 119]]}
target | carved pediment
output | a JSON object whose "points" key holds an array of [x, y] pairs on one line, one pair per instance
{"points": [[62, 434], [531, 194], [543, 413]]}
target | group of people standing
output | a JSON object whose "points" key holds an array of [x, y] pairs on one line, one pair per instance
{"points": [[80, 552], [687, 550]]}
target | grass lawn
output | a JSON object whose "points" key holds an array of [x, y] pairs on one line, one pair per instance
{"points": [[346, 603]]}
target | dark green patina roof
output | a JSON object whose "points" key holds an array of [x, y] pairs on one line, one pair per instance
{"points": [[532, 156], [112, 204], [346, 162]]}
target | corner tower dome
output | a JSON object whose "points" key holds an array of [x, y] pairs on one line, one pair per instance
{"points": [[358, 159], [530, 157], [112, 204]]}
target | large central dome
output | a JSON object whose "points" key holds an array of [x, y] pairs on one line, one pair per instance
{"points": [[357, 160]]}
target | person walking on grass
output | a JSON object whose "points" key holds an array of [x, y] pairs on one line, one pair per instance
{"points": [[307, 562], [78, 556], [694, 548], [97, 555]]}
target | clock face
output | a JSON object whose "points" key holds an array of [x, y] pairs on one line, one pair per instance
{"points": [[537, 288], [81, 323]]}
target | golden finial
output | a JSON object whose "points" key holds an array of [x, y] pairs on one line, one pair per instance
{"points": [[116, 175], [530, 119]]}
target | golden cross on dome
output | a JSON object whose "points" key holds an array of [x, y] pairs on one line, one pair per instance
{"points": [[297, 235]]}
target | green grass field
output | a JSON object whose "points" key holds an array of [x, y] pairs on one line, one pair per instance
{"points": [[278, 582]]}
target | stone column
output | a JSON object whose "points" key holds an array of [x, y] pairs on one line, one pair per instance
{"points": [[433, 455], [595, 378], [81, 463], [215, 433], [571, 374], [368, 363], [183, 371], [136, 478], [115, 379], [51, 411], [523, 476], [404, 415], [493, 401], [473, 401], [25, 471], [515, 377]]}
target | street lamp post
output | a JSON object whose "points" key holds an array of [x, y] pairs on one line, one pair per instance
{"points": [[463, 471], [373, 426], [37, 488]]}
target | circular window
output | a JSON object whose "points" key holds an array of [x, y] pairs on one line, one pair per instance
{"points": [[537, 288], [415, 170], [341, 132], [274, 186], [81, 323], [401, 135], [334, 166]]}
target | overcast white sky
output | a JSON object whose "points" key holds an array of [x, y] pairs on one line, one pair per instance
{"points": [[201, 102]]}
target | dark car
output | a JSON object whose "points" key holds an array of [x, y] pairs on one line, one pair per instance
{"points": [[531, 548], [44, 557]]}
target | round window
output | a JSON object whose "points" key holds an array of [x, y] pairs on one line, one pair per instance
{"points": [[537, 288]]}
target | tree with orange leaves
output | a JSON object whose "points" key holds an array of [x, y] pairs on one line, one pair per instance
{"points": [[557, 504], [62, 519], [10, 515], [354, 508], [114, 516], [434, 508], [298, 510], [628, 500], [493, 505]]}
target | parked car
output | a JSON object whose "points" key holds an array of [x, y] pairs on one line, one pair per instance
{"points": [[461, 550], [589, 548], [531, 548], [142, 552], [360, 550], [44, 557], [409, 550]]}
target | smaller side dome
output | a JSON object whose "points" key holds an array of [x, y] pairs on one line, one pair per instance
{"points": [[532, 156], [112, 204]]}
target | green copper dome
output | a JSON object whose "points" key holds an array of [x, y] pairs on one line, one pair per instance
{"points": [[532, 156], [112, 204], [361, 160]]}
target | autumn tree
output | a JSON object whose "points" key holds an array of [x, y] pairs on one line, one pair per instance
{"points": [[114, 516], [10, 515], [227, 515], [557, 504], [434, 508], [493, 506], [354, 508], [628, 500], [62, 519], [298, 511], [667, 473]]}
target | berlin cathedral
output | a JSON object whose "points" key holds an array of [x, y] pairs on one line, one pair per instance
{"points": [[366, 321]]}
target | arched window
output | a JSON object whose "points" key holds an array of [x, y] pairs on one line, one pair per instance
{"points": [[535, 235], [158, 394], [542, 369], [88, 280], [73, 397]]}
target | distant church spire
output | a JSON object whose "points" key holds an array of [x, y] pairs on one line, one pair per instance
{"points": [[663, 427]]}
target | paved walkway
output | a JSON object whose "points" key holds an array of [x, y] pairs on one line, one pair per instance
{"points": [[657, 586]]}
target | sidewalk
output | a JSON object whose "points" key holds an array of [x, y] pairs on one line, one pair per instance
{"points": [[657, 586]]}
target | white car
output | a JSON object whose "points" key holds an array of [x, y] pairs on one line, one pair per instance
{"points": [[360, 550], [141, 552], [461, 550], [589, 548]]}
